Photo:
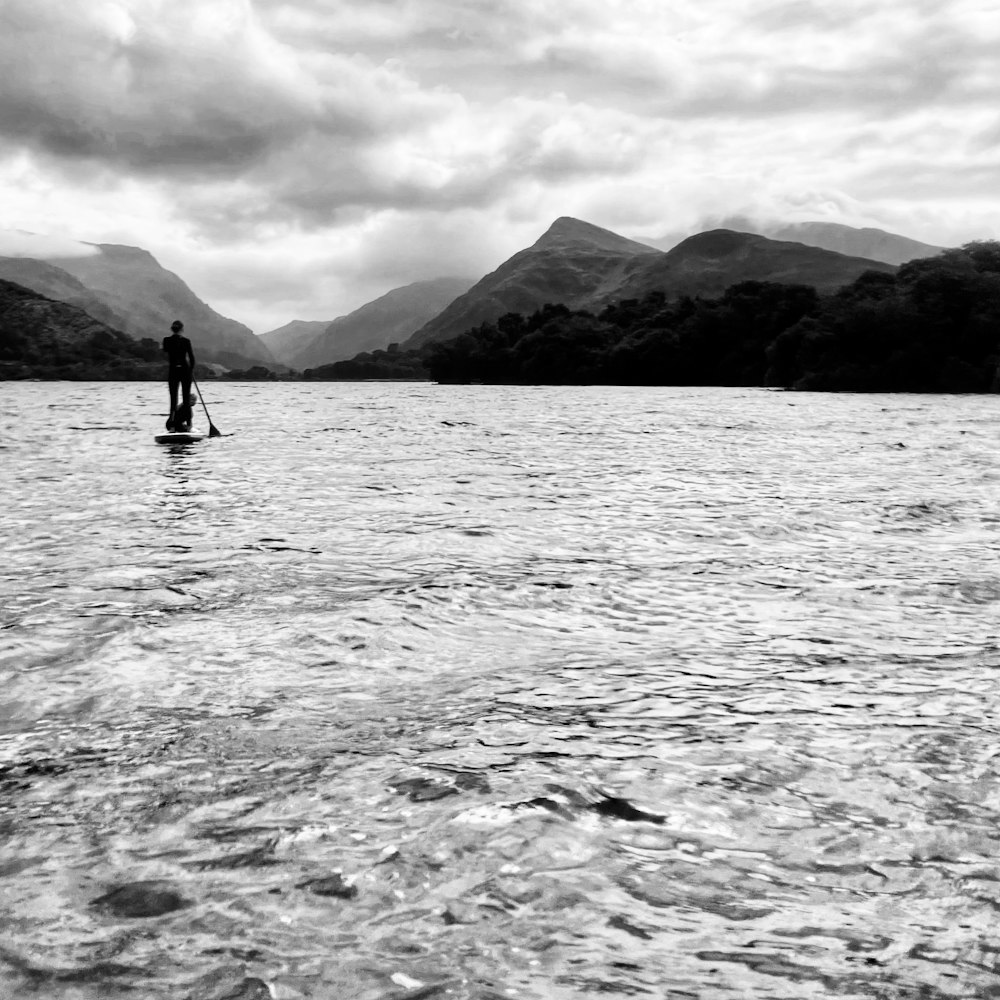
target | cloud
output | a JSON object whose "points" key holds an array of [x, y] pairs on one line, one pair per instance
{"points": [[319, 144], [183, 86], [40, 246], [334, 274]]}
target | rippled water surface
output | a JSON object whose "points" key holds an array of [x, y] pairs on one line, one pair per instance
{"points": [[479, 692]]}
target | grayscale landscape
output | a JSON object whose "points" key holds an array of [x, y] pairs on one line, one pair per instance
{"points": [[500, 502]]}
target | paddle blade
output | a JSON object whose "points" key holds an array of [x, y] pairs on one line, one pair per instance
{"points": [[213, 431]]}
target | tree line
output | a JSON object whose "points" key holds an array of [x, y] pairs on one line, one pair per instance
{"points": [[933, 326]]}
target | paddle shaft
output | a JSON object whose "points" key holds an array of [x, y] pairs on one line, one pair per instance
{"points": [[213, 431]]}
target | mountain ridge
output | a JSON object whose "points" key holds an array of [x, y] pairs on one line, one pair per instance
{"points": [[127, 288], [875, 244], [868, 241], [708, 263], [583, 266], [566, 264], [285, 341], [43, 337], [388, 319], [55, 283], [567, 231]]}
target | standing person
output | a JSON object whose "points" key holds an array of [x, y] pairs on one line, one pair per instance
{"points": [[181, 370]]}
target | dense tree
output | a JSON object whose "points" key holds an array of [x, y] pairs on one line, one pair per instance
{"points": [[388, 364], [934, 326]]}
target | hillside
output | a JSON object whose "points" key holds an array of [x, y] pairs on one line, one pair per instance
{"points": [[55, 283], [870, 243], [573, 263], [45, 338], [389, 319], [874, 244], [709, 263], [582, 266], [286, 341], [144, 298]]}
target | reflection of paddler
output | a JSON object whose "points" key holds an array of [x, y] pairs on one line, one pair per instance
{"points": [[180, 358]]}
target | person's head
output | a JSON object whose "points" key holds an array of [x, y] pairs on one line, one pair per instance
{"points": [[177, 326]]}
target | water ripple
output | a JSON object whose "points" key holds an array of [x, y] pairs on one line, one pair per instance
{"points": [[481, 692]]}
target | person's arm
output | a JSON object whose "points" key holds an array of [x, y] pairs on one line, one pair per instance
{"points": [[190, 354], [164, 345]]}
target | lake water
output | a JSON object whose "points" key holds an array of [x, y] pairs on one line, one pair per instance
{"points": [[491, 692]]}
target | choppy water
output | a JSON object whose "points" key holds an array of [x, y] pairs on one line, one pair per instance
{"points": [[479, 692]]}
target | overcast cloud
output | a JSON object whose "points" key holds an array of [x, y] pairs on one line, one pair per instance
{"points": [[293, 159]]}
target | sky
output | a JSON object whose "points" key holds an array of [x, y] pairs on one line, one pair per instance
{"points": [[294, 159]]}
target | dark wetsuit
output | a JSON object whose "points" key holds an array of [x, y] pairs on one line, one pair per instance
{"points": [[181, 360]]}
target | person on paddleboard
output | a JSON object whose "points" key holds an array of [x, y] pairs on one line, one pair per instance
{"points": [[180, 357]]}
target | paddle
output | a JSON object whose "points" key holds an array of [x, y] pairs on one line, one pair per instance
{"points": [[213, 431]]}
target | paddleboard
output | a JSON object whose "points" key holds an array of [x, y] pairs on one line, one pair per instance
{"points": [[178, 437]]}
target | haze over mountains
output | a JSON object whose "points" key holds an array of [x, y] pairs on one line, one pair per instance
{"points": [[286, 341], [573, 263], [875, 244], [42, 337], [128, 290], [389, 319]]}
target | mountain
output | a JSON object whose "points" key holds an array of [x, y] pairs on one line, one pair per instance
{"points": [[149, 298], [291, 338], [875, 244], [573, 262], [42, 337], [707, 264], [141, 298], [389, 319], [584, 267], [55, 283]]}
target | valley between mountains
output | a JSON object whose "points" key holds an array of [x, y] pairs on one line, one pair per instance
{"points": [[101, 316]]}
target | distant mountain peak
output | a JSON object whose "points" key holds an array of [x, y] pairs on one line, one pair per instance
{"points": [[850, 240], [389, 319], [717, 243], [124, 250], [567, 231], [119, 253]]}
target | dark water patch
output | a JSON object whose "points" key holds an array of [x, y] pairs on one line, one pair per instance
{"points": [[616, 808], [330, 885], [20, 770], [140, 900], [257, 857], [278, 545], [621, 923]]}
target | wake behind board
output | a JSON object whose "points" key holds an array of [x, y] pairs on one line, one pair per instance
{"points": [[178, 437]]}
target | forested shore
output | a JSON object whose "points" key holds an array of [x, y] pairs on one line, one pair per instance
{"points": [[933, 326]]}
